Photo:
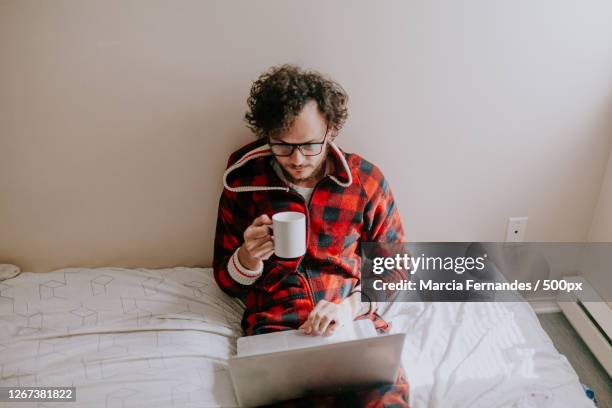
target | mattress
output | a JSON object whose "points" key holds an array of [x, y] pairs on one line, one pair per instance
{"points": [[161, 338]]}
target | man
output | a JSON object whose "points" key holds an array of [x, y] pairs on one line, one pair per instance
{"points": [[296, 166]]}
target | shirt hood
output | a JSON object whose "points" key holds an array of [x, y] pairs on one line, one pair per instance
{"points": [[249, 163]]}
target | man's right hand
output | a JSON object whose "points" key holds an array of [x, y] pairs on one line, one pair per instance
{"points": [[258, 243]]}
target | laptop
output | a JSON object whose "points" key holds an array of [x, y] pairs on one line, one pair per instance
{"points": [[330, 368]]}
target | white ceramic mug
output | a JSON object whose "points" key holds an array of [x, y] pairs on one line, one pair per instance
{"points": [[289, 229]]}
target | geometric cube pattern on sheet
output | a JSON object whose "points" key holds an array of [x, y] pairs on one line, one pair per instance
{"points": [[123, 337]]}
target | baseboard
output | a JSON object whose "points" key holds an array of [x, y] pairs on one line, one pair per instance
{"points": [[591, 317]]}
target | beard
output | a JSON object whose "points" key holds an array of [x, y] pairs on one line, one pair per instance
{"points": [[314, 176]]}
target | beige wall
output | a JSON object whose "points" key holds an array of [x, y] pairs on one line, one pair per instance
{"points": [[116, 117], [601, 228], [596, 261]]}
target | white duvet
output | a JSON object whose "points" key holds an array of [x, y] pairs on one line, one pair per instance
{"points": [[161, 338], [483, 355]]}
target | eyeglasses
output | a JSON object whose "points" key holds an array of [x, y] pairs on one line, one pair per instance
{"points": [[307, 149]]}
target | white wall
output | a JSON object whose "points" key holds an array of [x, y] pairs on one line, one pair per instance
{"points": [[507, 111], [117, 117]]}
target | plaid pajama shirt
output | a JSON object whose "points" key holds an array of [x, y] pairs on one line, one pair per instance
{"points": [[352, 204]]}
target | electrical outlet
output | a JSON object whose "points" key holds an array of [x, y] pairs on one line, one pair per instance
{"points": [[517, 227]]}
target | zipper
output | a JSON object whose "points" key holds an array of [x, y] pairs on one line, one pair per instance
{"points": [[297, 269], [307, 206]]}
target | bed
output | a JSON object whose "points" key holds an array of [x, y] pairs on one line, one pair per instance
{"points": [[162, 337]]}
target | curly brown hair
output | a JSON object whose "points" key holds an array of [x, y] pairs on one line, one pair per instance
{"points": [[280, 93]]}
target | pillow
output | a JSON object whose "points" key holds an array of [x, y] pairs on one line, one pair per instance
{"points": [[8, 271]]}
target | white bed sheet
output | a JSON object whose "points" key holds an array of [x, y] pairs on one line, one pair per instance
{"points": [[123, 337], [161, 338], [489, 355]]}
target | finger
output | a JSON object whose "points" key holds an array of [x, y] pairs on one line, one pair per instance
{"points": [[313, 320], [263, 219], [262, 249], [328, 313], [323, 323], [252, 244], [257, 232], [330, 329], [316, 322], [264, 256], [314, 315], [307, 326], [268, 254]]}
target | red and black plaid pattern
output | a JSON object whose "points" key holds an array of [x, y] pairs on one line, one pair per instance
{"points": [[338, 219]]}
